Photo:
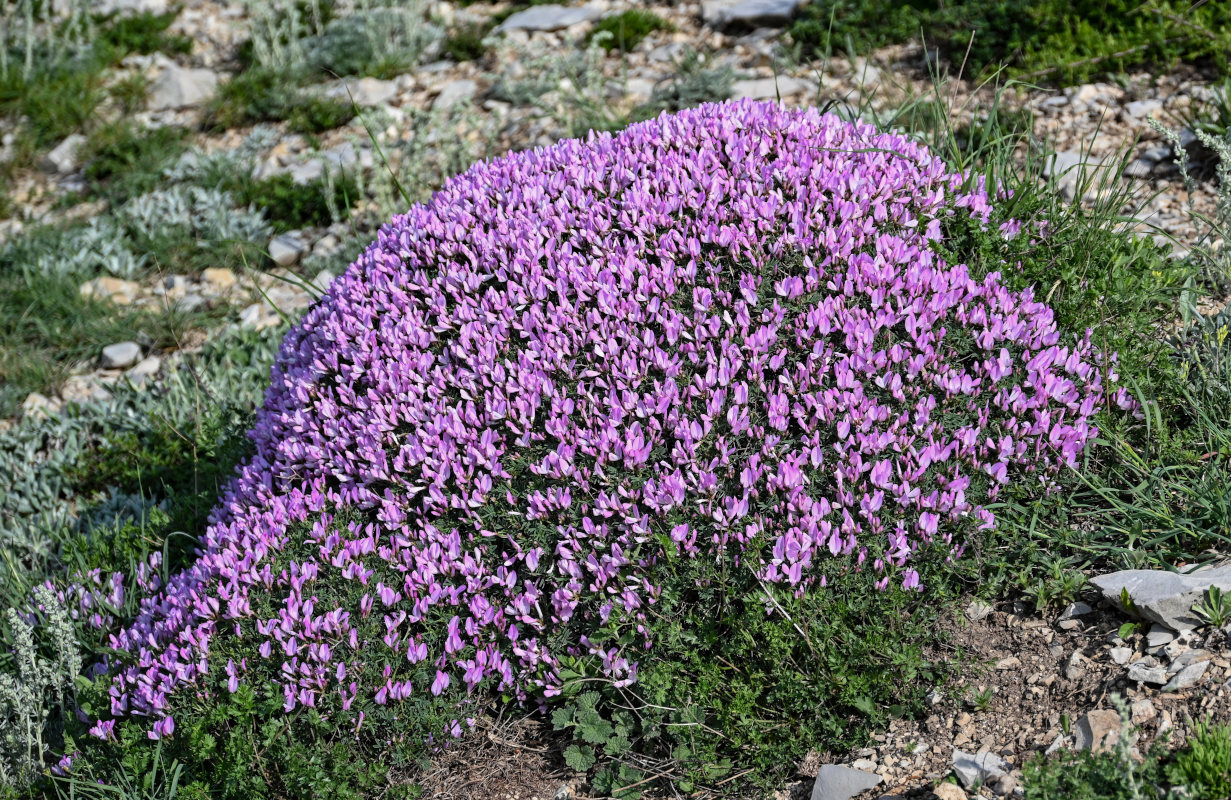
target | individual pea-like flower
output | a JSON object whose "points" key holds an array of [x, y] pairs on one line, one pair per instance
{"points": [[724, 329]]}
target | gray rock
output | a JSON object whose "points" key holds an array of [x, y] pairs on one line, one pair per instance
{"points": [[39, 406], [1159, 636], [1142, 109], [1187, 677], [977, 610], [1165, 597], [455, 92], [1144, 673], [1185, 659], [771, 88], [550, 18], [1121, 655], [835, 782], [287, 248], [1143, 711], [179, 87], [365, 92], [191, 302], [1156, 154], [1071, 169], [1097, 731], [130, 6], [749, 13], [120, 355], [144, 369], [64, 158], [307, 171], [1078, 609], [1139, 168], [974, 770]]}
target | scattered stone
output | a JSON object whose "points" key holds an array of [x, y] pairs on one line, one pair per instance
{"points": [[1061, 741], [1183, 660], [191, 302], [115, 290], [1076, 610], [1075, 668], [1187, 677], [307, 171], [977, 610], [1121, 655], [455, 92], [39, 406], [1071, 169], [366, 92], [1097, 731], [550, 18], [64, 158], [180, 87], [1139, 168], [1165, 597], [1142, 672], [121, 355], [1140, 110], [287, 248], [1159, 636], [83, 389], [1010, 662], [144, 369], [130, 6], [864, 764], [1143, 711], [771, 88], [948, 791], [221, 279], [975, 770], [722, 14], [836, 782]]}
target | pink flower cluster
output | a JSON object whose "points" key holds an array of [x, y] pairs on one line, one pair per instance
{"points": [[721, 330]]}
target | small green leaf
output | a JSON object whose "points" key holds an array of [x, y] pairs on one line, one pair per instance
{"points": [[579, 758]]}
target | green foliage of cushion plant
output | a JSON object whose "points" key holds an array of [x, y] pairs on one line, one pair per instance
{"points": [[142, 32], [291, 205], [466, 43], [122, 161], [264, 95], [1204, 763], [1056, 40], [626, 29]]}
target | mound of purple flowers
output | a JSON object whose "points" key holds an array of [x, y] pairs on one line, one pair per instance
{"points": [[722, 333]]}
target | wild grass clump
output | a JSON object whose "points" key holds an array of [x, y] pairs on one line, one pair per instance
{"points": [[1065, 42]]}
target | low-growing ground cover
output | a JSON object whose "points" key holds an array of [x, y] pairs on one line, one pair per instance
{"points": [[611, 605], [1058, 41], [723, 701]]}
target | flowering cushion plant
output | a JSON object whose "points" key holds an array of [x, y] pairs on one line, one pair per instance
{"points": [[722, 335]]}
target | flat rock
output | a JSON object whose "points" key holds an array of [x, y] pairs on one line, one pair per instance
{"points": [[365, 92], [749, 13], [180, 87], [287, 248], [115, 290], [1077, 609], [219, 279], [1121, 655], [144, 369], [1165, 597], [1142, 109], [65, 157], [120, 355], [977, 769], [1143, 673], [550, 18], [1097, 731], [125, 7], [1187, 677], [977, 610], [455, 92], [771, 88], [836, 782]]}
